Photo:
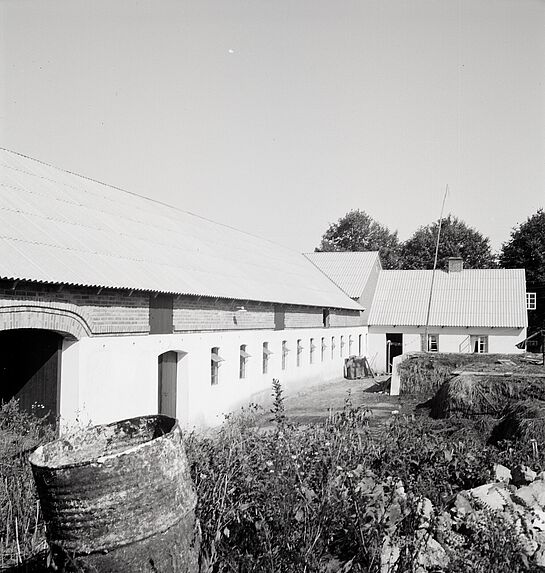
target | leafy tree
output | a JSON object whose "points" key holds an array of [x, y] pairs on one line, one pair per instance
{"points": [[457, 240], [526, 249], [357, 231]]}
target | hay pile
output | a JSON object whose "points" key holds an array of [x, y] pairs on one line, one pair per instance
{"points": [[470, 396], [521, 421]]}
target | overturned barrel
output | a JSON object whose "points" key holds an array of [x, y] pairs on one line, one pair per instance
{"points": [[119, 497]]}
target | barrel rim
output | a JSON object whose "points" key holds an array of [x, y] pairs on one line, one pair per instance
{"points": [[33, 458]]}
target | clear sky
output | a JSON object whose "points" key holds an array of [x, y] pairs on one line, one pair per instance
{"points": [[278, 116]]}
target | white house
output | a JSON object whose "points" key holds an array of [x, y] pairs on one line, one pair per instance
{"points": [[471, 310], [113, 305]]}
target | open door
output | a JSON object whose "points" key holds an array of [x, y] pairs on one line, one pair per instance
{"points": [[167, 379], [394, 347]]}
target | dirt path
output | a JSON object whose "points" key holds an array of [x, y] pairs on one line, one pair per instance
{"points": [[312, 405]]}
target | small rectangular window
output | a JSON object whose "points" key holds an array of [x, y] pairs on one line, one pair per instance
{"points": [[433, 343], [285, 351], [342, 346], [325, 317], [299, 352], [215, 360], [243, 361], [332, 347], [360, 348], [312, 350], [324, 348], [531, 301], [266, 354], [479, 344], [350, 344]]}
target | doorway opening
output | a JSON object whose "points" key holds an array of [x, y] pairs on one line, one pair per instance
{"points": [[394, 347], [30, 369]]}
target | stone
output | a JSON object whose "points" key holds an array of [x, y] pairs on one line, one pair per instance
{"points": [[523, 475], [495, 496], [502, 473], [424, 510], [532, 495], [431, 556], [462, 506]]}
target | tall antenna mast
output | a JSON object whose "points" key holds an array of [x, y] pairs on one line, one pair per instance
{"points": [[434, 269]]}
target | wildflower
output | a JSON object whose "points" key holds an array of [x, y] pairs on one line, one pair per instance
{"points": [[268, 463]]}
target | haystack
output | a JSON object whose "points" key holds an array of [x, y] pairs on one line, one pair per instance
{"points": [[470, 395], [522, 421]]}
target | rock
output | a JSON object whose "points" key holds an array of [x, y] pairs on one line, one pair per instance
{"points": [[462, 506], [431, 556], [390, 556], [532, 495], [501, 473], [523, 475], [496, 496], [424, 510]]}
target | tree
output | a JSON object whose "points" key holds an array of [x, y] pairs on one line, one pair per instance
{"points": [[526, 249], [357, 231], [457, 240]]}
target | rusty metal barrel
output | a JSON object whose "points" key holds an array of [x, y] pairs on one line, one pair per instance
{"points": [[119, 498]]}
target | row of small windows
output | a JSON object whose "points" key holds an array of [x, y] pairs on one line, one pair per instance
{"points": [[478, 343], [216, 359]]}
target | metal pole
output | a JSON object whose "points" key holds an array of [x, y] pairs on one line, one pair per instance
{"points": [[433, 273]]}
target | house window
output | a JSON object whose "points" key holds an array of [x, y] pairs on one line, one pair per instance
{"points": [[342, 346], [312, 350], [243, 361], [324, 347], [531, 301], [479, 344], [325, 317], [299, 352], [266, 354], [285, 351], [215, 360], [350, 345], [332, 347], [360, 348], [433, 343]]}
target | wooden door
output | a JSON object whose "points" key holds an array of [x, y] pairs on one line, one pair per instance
{"points": [[168, 375]]}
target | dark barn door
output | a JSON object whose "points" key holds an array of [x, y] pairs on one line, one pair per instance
{"points": [[30, 369], [394, 347]]}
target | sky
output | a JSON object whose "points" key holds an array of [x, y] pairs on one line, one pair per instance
{"points": [[279, 116]]}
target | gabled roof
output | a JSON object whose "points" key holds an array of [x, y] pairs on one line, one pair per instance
{"points": [[475, 298], [58, 227], [349, 270]]}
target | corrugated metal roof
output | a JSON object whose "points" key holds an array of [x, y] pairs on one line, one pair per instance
{"points": [[349, 270], [472, 297], [58, 227]]}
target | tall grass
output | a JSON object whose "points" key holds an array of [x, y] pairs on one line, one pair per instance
{"points": [[21, 526]]}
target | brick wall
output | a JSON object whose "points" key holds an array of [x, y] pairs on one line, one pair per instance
{"points": [[345, 318], [304, 317]]}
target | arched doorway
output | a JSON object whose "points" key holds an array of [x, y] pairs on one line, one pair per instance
{"points": [[30, 367]]}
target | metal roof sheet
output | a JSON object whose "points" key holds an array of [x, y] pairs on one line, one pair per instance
{"points": [[58, 227], [349, 270], [472, 297]]}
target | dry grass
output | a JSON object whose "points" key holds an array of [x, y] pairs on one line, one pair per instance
{"points": [[522, 421]]}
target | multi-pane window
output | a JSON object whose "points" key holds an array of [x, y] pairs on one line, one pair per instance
{"points": [[342, 345], [332, 347], [433, 343], [215, 360], [243, 361], [479, 344], [312, 350], [285, 351], [531, 301], [266, 354], [324, 348], [350, 344], [299, 352]]}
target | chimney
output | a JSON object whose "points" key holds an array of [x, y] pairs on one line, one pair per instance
{"points": [[455, 264]]}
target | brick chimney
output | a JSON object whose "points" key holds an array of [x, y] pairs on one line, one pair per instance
{"points": [[455, 264]]}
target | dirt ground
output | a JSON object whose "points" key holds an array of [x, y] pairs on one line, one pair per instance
{"points": [[314, 404]]}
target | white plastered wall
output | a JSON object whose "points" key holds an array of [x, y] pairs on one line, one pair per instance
{"points": [[500, 340], [110, 378]]}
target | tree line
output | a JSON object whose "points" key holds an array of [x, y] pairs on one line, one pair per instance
{"points": [[525, 248]]}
